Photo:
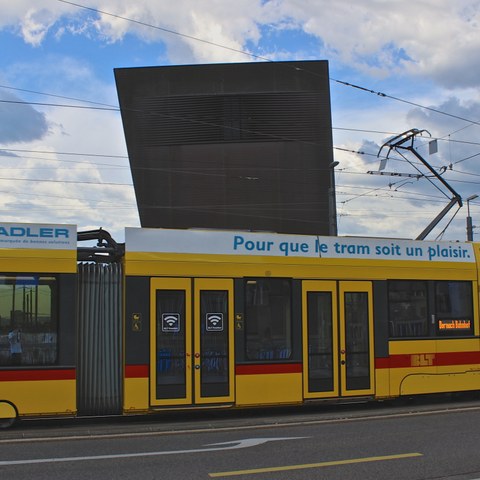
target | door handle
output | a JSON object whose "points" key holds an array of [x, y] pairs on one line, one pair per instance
{"points": [[197, 367], [343, 362]]}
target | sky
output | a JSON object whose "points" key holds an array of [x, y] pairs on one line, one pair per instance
{"points": [[394, 66]]}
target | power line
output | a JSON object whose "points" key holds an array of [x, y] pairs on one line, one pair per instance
{"points": [[466, 158], [385, 95], [10, 179], [449, 140], [187, 170], [63, 153], [82, 182], [212, 43], [109, 107], [54, 95], [260, 57], [42, 104], [167, 30], [250, 54], [61, 197]]}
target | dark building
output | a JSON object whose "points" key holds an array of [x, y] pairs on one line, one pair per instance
{"points": [[239, 146]]}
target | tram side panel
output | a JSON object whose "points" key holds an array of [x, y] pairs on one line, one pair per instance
{"points": [[380, 306], [298, 323], [137, 345], [268, 341], [433, 332], [41, 378]]}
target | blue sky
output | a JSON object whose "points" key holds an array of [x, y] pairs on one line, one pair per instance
{"points": [[69, 165]]}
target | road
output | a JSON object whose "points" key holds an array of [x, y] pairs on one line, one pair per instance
{"points": [[437, 441]]}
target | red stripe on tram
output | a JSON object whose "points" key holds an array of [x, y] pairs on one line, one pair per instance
{"points": [[442, 359], [137, 371]]}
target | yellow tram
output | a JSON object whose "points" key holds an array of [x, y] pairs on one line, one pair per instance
{"points": [[205, 318]]}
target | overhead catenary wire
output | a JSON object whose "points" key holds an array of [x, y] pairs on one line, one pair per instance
{"points": [[263, 58], [344, 171], [185, 119], [252, 55], [156, 168], [110, 107], [83, 182], [60, 105], [115, 108], [62, 197], [259, 57]]}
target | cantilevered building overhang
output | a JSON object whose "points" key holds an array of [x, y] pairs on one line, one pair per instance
{"points": [[239, 146]]}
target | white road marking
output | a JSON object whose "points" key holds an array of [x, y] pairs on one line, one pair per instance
{"points": [[276, 424], [214, 447]]}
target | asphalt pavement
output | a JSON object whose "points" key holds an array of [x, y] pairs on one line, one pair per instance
{"points": [[181, 421]]}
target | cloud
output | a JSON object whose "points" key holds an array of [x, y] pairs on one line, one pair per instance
{"points": [[427, 55], [20, 123], [439, 40], [43, 185], [36, 24]]}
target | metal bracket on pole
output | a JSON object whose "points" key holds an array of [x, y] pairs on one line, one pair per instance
{"points": [[405, 141]]}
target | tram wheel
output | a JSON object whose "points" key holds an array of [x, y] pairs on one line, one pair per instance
{"points": [[8, 414]]}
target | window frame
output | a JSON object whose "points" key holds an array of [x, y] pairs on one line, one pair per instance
{"points": [[278, 352], [40, 347], [469, 313], [394, 324], [432, 317]]}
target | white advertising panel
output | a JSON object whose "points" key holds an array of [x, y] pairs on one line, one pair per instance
{"points": [[279, 245], [40, 236]]}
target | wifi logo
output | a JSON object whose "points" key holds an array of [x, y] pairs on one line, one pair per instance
{"points": [[214, 322], [170, 322]]}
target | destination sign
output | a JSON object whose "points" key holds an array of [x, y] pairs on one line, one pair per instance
{"points": [[462, 325]]}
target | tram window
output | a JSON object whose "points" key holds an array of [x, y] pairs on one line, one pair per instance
{"points": [[268, 319], [408, 308], [453, 308], [28, 320]]}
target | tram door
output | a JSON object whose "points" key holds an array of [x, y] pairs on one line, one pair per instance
{"points": [[191, 341], [337, 339]]}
